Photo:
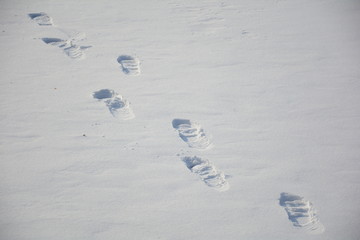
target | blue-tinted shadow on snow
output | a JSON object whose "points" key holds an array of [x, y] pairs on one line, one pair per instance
{"points": [[35, 15], [41, 18], [124, 57], [103, 93], [52, 40], [69, 47], [177, 122]]}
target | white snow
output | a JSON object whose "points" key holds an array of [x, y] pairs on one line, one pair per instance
{"points": [[275, 82]]}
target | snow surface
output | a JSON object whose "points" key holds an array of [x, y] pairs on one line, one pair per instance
{"points": [[275, 82]]}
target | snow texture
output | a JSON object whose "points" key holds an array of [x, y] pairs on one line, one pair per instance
{"points": [[275, 82]]}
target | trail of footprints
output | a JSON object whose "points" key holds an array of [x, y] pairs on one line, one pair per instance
{"points": [[194, 135], [300, 211], [70, 46]]}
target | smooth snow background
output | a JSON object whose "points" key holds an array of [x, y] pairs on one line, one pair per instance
{"points": [[275, 83]]}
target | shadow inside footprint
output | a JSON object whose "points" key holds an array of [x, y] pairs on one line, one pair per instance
{"points": [[103, 93], [287, 197], [69, 47], [41, 18], [85, 47], [52, 40], [124, 57], [130, 65], [177, 122], [192, 161], [35, 15]]}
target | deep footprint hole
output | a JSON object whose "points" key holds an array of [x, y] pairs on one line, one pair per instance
{"points": [[51, 40], [103, 93], [287, 197], [34, 15], [117, 104], [177, 122], [125, 57], [192, 161]]}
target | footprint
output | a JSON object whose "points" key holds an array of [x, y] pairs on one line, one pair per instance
{"points": [[130, 65], [69, 47], [301, 213], [192, 133], [118, 106], [207, 172], [41, 18], [54, 41], [76, 52]]}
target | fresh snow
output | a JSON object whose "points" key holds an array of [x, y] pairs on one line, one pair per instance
{"points": [[179, 119]]}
